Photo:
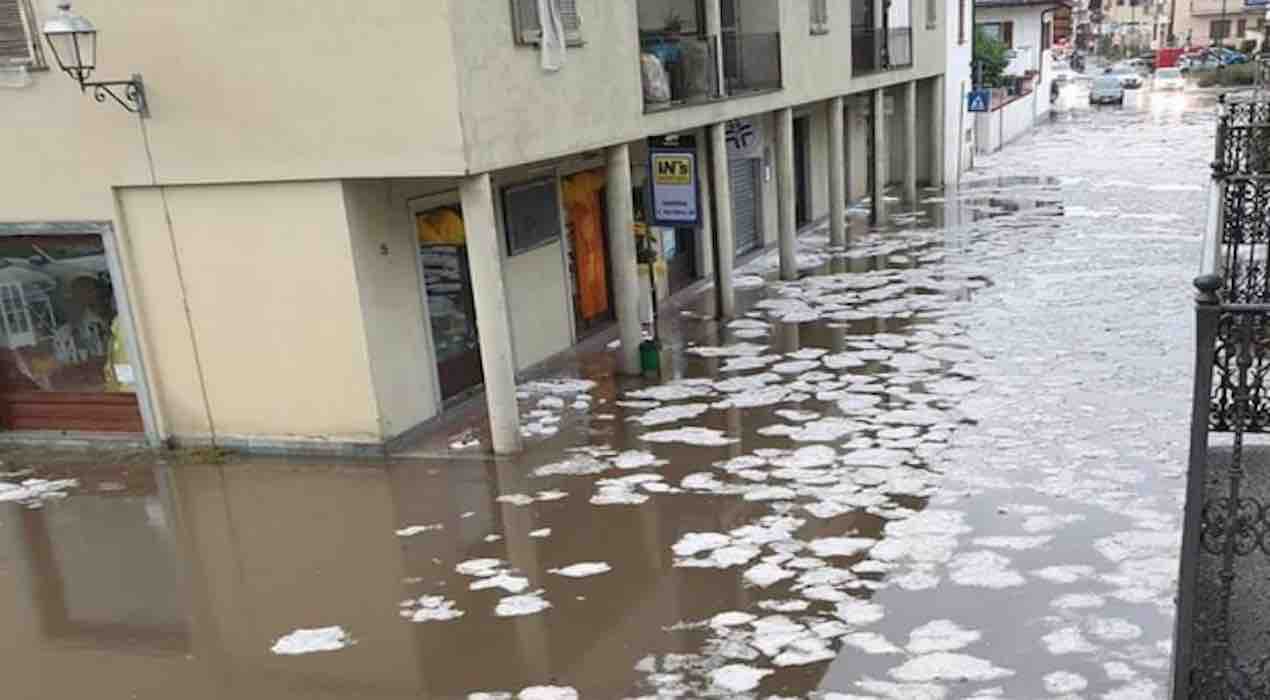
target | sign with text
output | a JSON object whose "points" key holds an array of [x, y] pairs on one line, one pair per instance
{"points": [[979, 101], [675, 184]]}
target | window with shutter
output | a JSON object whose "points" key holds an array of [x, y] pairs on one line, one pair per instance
{"points": [[1007, 34], [819, 16], [528, 27], [932, 14], [18, 39]]}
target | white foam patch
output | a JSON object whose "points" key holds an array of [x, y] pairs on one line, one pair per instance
{"points": [[738, 678], [637, 459], [547, 692], [1067, 573], [432, 608], [1078, 601], [503, 580], [705, 437], [947, 666], [870, 643], [540, 533], [984, 569], [801, 652], [312, 641], [413, 530], [1113, 629], [840, 546], [478, 567], [858, 612], [33, 492], [1064, 683], [670, 414], [940, 635], [766, 574], [518, 605], [582, 569], [1068, 640], [1014, 543]]}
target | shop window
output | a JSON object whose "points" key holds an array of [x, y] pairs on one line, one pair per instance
{"points": [[19, 42], [528, 26], [59, 328], [819, 16], [531, 215]]}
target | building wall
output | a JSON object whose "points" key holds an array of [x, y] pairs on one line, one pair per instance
{"points": [[390, 290], [514, 112], [958, 81], [272, 292], [1027, 33]]}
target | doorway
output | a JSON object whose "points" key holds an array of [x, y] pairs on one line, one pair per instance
{"points": [[447, 281], [802, 193], [585, 203], [744, 176]]}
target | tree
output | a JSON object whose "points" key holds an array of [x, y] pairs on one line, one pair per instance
{"points": [[991, 57]]}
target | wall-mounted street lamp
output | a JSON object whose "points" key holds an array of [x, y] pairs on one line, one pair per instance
{"points": [[73, 40]]}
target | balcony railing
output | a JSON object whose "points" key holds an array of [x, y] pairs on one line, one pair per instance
{"points": [[751, 62], [678, 70], [881, 49], [899, 48]]}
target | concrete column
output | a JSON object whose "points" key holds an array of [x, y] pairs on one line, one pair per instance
{"points": [[837, 175], [910, 142], [724, 241], [493, 325], [938, 132], [785, 193], [705, 235], [622, 239], [880, 156], [714, 28]]}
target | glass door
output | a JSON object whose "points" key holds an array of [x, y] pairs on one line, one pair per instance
{"points": [[447, 284]]}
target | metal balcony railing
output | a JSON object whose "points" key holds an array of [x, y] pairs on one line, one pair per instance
{"points": [[881, 49], [751, 62], [678, 69]]}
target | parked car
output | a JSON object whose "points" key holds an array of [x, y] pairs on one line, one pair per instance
{"points": [[1169, 79], [1128, 75], [1107, 89]]}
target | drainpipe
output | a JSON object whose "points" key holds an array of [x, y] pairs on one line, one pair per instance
{"points": [[1040, 66]]}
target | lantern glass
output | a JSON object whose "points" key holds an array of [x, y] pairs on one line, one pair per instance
{"points": [[73, 40]]}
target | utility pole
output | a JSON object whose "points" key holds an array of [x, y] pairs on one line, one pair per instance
{"points": [[1172, 38], [1225, 28]]}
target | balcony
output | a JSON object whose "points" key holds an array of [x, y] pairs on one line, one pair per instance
{"points": [[678, 70], [875, 50], [751, 63], [683, 62]]}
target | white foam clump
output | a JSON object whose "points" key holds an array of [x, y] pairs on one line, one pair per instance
{"points": [[948, 666], [766, 574], [735, 350], [540, 533], [858, 612], [33, 492], [940, 635], [637, 459], [1067, 573], [870, 643], [1068, 640], [1114, 629], [1012, 542], [547, 692], [800, 652], [670, 414], [582, 569], [840, 546], [1064, 682], [705, 437], [738, 678], [433, 608], [517, 605], [413, 530], [984, 569], [478, 567], [1074, 601], [310, 641], [503, 580]]}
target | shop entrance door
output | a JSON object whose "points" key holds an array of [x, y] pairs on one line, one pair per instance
{"points": [[802, 193], [447, 282], [584, 196], [63, 360]]}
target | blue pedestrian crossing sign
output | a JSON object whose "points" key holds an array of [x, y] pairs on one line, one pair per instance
{"points": [[980, 100]]}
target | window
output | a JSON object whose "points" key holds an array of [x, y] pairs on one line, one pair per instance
{"points": [[1241, 28], [932, 14], [531, 215], [1219, 29], [528, 26], [1001, 31], [819, 16], [19, 42], [961, 22]]}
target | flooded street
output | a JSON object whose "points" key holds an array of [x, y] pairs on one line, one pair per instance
{"points": [[947, 463]]}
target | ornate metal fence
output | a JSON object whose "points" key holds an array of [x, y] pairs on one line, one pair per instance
{"points": [[1222, 639]]}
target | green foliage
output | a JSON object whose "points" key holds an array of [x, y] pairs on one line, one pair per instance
{"points": [[992, 56]]}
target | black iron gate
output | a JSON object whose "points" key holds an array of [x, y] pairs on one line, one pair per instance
{"points": [[1222, 639]]}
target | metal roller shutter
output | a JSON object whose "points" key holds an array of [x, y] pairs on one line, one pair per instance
{"points": [[744, 174]]}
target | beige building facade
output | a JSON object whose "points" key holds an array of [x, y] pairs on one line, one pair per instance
{"points": [[326, 236]]}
